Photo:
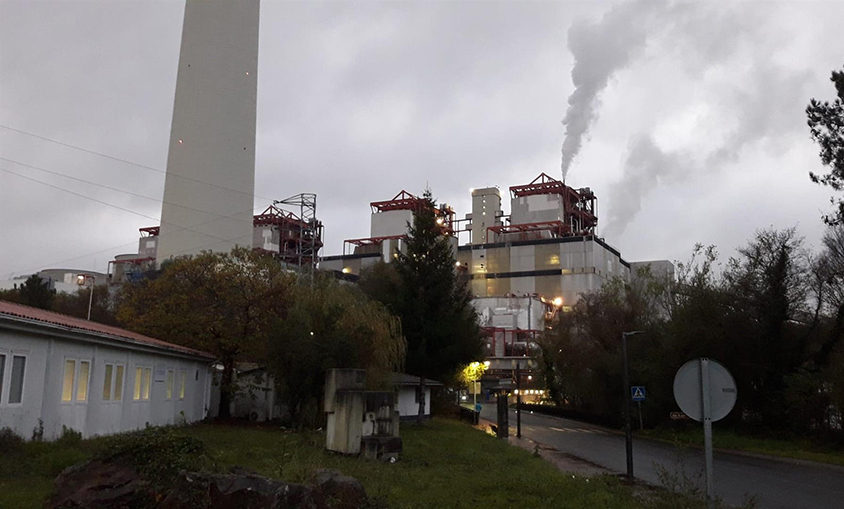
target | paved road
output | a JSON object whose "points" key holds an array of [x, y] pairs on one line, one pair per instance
{"points": [[777, 484]]}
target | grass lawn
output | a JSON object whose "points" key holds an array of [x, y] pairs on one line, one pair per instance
{"points": [[803, 449], [445, 464]]}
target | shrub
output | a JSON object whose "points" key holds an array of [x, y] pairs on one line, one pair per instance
{"points": [[69, 437], [157, 453], [9, 441]]}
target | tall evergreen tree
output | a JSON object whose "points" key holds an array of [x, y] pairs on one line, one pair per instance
{"points": [[438, 320], [826, 124]]}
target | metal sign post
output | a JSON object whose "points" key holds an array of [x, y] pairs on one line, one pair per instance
{"points": [[706, 392], [706, 404], [518, 401]]}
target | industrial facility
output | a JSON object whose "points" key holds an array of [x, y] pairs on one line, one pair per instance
{"points": [[521, 268]]}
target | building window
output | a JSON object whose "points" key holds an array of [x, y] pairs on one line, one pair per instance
{"points": [[136, 395], [118, 383], [67, 381], [2, 372], [170, 376], [109, 371], [182, 385], [145, 387], [82, 381], [16, 383]]}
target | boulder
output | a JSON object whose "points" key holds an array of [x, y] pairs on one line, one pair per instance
{"points": [[341, 491], [97, 485]]}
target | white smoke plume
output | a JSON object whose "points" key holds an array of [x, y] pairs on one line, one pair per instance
{"points": [[600, 50], [762, 107]]}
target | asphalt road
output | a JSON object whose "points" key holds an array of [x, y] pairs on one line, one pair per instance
{"points": [[775, 483]]}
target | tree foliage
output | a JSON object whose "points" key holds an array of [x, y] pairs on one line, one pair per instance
{"points": [[422, 288], [330, 325], [36, 292], [770, 315], [76, 304], [222, 303], [826, 125]]}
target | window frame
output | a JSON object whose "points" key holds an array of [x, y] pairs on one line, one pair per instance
{"points": [[169, 384], [115, 396], [7, 374], [183, 379], [143, 380], [72, 381], [4, 354], [87, 382]]}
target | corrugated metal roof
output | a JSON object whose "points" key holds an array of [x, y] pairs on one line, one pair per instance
{"points": [[79, 325]]}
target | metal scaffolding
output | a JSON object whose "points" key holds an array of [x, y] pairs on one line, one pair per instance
{"points": [[301, 239]]}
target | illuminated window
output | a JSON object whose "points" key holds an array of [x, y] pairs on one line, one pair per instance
{"points": [[107, 380], [170, 377], [136, 394], [67, 381], [82, 381], [145, 387], [118, 383], [182, 385]]}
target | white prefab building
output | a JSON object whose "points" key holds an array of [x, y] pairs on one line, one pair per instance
{"points": [[59, 371], [407, 390]]}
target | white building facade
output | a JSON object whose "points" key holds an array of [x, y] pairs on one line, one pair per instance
{"points": [[61, 372]]}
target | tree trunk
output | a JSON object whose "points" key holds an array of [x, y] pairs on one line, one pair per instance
{"points": [[420, 417], [226, 389]]}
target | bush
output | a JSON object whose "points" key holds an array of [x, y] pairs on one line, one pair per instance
{"points": [[9, 441], [156, 453], [69, 437]]}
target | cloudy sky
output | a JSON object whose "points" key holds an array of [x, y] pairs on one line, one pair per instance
{"points": [[686, 119]]}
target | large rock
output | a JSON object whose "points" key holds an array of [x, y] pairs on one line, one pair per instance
{"points": [[97, 485], [340, 491]]}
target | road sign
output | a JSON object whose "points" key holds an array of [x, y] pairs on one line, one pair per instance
{"points": [[678, 416], [689, 393], [706, 392], [637, 392]]}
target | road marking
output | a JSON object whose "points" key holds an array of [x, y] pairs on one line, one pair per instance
{"points": [[559, 429]]}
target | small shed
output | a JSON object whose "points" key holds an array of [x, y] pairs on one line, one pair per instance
{"points": [[59, 371], [407, 389]]}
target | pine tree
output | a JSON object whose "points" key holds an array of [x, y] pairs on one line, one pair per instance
{"points": [[438, 320], [826, 124]]}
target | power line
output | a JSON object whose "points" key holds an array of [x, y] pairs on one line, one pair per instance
{"points": [[117, 190], [125, 161], [133, 242]]}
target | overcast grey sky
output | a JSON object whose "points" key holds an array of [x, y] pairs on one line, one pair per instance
{"points": [[690, 115]]}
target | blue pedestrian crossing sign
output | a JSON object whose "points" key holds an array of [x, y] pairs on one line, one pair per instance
{"points": [[637, 393]]}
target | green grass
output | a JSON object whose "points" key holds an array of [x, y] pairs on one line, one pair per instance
{"points": [[445, 464], [802, 449]]}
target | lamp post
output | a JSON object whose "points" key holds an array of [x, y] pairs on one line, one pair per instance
{"points": [[628, 434], [80, 280]]}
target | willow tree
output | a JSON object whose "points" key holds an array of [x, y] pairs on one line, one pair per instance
{"points": [[222, 303], [330, 325]]}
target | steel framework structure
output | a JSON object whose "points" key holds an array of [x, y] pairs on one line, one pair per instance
{"points": [[300, 235], [579, 205]]}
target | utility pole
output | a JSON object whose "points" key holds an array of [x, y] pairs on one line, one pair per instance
{"points": [[628, 433], [518, 400]]}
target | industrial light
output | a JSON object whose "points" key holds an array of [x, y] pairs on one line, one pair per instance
{"points": [[80, 279], [558, 301], [486, 363], [456, 264], [247, 73], [312, 333], [346, 270], [530, 377], [471, 189], [439, 220]]}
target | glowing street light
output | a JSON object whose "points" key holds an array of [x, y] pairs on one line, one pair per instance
{"points": [[80, 280]]}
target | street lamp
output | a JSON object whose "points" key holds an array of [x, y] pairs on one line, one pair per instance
{"points": [[80, 280], [628, 434]]}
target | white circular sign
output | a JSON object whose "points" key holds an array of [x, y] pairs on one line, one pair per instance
{"points": [[689, 395]]}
